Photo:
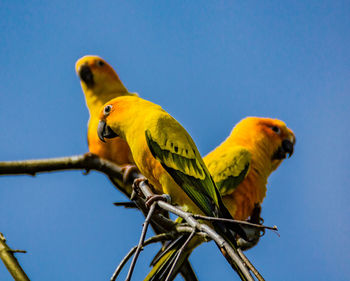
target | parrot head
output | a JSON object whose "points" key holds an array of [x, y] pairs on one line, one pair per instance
{"points": [[115, 116], [96, 74], [266, 136]]}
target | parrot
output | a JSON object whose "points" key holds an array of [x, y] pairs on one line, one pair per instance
{"points": [[167, 156], [100, 83], [240, 167]]}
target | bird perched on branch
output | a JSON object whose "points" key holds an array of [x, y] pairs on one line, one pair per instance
{"points": [[240, 167], [167, 156], [100, 83]]}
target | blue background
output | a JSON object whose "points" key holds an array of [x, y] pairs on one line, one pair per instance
{"points": [[209, 64]]}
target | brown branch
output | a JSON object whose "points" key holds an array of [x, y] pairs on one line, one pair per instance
{"points": [[11, 263], [86, 162], [230, 254], [89, 162]]}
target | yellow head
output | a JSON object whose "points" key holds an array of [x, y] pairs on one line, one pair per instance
{"points": [[98, 76], [120, 114], [266, 137]]}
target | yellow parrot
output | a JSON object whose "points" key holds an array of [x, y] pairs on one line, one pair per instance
{"points": [[167, 156], [240, 167], [100, 83]]}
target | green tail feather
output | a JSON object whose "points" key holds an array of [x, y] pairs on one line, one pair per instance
{"points": [[164, 261]]}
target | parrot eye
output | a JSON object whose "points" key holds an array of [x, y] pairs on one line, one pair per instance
{"points": [[107, 110], [100, 63], [276, 129]]}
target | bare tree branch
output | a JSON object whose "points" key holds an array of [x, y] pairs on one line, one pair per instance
{"points": [[155, 239], [142, 239], [85, 162], [229, 253], [160, 223], [89, 162], [11, 263]]}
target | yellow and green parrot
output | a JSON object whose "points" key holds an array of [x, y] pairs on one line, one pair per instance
{"points": [[167, 156], [100, 83], [240, 167]]}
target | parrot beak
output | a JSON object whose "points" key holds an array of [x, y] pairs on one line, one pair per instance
{"points": [[86, 75], [104, 131], [286, 147]]}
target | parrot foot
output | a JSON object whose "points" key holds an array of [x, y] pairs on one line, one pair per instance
{"points": [[151, 199], [127, 171], [136, 189]]}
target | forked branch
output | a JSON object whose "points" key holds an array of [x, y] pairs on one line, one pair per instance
{"points": [[10, 261], [160, 223]]}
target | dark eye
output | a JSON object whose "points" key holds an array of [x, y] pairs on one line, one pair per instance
{"points": [[276, 129], [100, 63], [107, 110]]}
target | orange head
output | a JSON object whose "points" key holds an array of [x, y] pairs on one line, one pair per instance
{"points": [[97, 75], [266, 137], [118, 114]]}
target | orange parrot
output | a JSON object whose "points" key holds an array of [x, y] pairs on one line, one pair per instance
{"points": [[100, 83], [240, 167]]}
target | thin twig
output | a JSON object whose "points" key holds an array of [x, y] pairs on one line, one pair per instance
{"points": [[274, 228], [11, 263], [154, 239], [250, 265], [180, 253], [127, 205], [142, 239], [230, 254]]}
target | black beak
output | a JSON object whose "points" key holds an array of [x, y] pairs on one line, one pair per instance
{"points": [[86, 75], [104, 131], [286, 147]]}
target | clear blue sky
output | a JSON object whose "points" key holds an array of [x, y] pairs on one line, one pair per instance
{"points": [[209, 65]]}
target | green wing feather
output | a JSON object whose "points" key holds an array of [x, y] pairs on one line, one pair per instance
{"points": [[173, 147], [179, 159], [229, 168]]}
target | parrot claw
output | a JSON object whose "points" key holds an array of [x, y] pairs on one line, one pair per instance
{"points": [[135, 187], [151, 199], [127, 171]]}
